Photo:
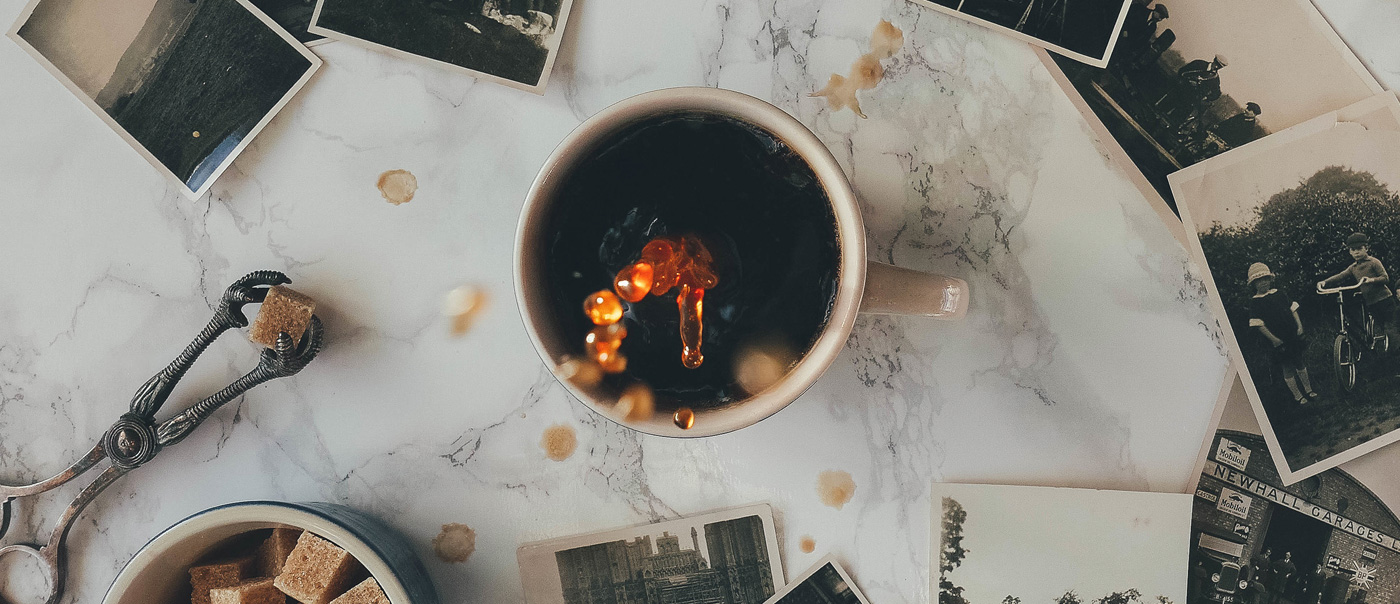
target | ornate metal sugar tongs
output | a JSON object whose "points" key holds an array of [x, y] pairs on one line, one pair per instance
{"points": [[136, 438]]}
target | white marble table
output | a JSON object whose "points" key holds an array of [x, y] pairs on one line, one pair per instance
{"points": [[1088, 358]]}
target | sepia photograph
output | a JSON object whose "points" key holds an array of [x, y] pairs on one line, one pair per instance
{"points": [[825, 583], [1191, 79], [1328, 539], [294, 16], [1296, 235], [726, 557], [1012, 544], [511, 42], [1083, 30], [187, 83]]}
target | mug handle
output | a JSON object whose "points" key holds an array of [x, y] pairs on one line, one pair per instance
{"points": [[891, 290]]}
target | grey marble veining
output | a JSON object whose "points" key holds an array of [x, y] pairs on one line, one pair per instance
{"points": [[1088, 358]]}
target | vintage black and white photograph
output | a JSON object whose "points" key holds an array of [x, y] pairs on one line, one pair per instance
{"points": [[187, 83], [1298, 237], [294, 16], [1083, 30], [511, 42], [1191, 79], [1001, 544], [726, 557], [825, 583], [1328, 539]]}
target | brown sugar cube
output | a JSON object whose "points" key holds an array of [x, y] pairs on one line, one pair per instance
{"points": [[367, 592], [316, 571], [254, 591], [273, 552], [284, 310], [225, 573]]}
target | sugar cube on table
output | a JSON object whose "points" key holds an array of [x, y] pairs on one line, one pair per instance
{"points": [[367, 592], [316, 571], [224, 573], [283, 310], [255, 591], [273, 552]]}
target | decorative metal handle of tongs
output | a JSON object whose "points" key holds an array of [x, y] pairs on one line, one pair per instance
{"points": [[136, 438]]}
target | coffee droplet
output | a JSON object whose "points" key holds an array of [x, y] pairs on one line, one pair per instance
{"points": [[398, 186], [603, 307], [582, 372], [637, 403], [559, 442], [836, 487], [758, 366], [807, 544], [455, 543], [684, 418], [462, 307]]}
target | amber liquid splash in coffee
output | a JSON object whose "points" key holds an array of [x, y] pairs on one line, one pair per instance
{"points": [[767, 231], [680, 263]]}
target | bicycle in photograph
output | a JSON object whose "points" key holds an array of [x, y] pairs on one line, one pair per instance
{"points": [[1351, 342]]}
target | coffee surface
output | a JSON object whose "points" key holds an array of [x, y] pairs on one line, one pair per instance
{"points": [[755, 203]]}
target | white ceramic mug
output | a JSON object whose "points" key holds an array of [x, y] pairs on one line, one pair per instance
{"points": [[862, 286]]}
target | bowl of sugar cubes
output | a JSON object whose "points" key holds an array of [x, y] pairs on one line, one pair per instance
{"points": [[268, 552]]}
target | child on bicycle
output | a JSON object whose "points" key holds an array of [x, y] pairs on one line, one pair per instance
{"points": [[1275, 316], [1369, 273]]}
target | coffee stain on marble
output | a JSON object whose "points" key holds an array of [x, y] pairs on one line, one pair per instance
{"points": [[836, 488], [807, 544], [397, 186], [463, 306], [866, 72], [559, 442], [455, 543]]}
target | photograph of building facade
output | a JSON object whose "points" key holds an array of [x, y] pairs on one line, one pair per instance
{"points": [[1256, 541], [735, 569]]}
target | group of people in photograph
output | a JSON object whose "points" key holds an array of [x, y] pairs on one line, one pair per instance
{"points": [[1270, 578], [1273, 314], [1186, 103]]}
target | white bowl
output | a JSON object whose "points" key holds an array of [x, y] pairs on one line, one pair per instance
{"points": [[159, 572]]}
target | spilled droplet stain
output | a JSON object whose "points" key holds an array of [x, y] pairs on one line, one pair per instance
{"points": [[836, 487], [462, 306], [807, 544], [398, 186], [559, 442], [866, 72], [455, 543]]}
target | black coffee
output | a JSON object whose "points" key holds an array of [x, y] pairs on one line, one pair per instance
{"points": [[754, 203]]}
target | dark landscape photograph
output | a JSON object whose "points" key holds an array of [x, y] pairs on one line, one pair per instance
{"points": [[293, 15], [190, 83], [510, 41], [1081, 27], [1191, 79], [827, 584]]}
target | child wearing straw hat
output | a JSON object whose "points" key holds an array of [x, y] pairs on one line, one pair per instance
{"points": [[1275, 316]]}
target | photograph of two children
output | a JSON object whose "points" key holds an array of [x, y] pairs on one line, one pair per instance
{"points": [[1301, 239]]}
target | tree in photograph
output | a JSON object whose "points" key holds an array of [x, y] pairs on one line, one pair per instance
{"points": [[1301, 233], [951, 555], [1069, 598], [1130, 596], [1011, 600]]}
